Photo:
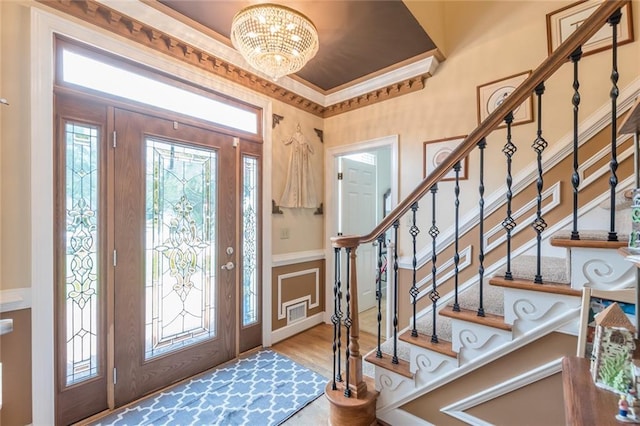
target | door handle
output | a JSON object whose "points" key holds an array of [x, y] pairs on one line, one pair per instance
{"points": [[228, 266]]}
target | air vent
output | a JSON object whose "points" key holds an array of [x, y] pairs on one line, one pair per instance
{"points": [[296, 312]]}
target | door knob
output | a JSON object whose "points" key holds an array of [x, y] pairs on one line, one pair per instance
{"points": [[228, 266]]}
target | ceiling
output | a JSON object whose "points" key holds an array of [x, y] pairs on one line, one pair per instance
{"points": [[358, 39]]}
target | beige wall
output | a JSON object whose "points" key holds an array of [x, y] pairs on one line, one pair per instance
{"points": [[430, 14], [14, 147], [500, 411], [304, 228]]}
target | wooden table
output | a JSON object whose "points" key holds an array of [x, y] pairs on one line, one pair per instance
{"points": [[586, 404]]}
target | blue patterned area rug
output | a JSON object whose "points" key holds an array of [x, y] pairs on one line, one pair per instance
{"points": [[265, 388]]}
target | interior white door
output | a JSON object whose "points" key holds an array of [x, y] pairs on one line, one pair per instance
{"points": [[358, 216]]}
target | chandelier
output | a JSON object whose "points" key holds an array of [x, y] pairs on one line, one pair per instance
{"points": [[274, 39]]}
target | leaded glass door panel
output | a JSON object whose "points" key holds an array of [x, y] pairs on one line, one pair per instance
{"points": [[250, 236], [81, 270], [175, 218]]}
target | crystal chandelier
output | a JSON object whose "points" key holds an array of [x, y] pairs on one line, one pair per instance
{"points": [[274, 39]]}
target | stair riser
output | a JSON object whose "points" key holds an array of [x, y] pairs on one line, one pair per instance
{"points": [[430, 362], [392, 386], [602, 269], [526, 310], [471, 340]]}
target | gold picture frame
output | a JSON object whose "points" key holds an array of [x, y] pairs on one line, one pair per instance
{"points": [[434, 152], [563, 22], [491, 95]]}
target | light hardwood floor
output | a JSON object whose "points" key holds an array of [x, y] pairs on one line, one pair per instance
{"points": [[369, 320], [313, 349]]}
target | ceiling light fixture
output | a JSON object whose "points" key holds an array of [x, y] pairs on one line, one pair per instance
{"points": [[274, 39]]}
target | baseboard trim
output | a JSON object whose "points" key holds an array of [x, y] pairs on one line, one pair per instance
{"points": [[15, 299], [298, 327], [401, 417]]}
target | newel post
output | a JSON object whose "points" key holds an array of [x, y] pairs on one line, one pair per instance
{"points": [[356, 384], [350, 402]]}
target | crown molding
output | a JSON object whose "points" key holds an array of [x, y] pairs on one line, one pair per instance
{"points": [[169, 36], [425, 68]]}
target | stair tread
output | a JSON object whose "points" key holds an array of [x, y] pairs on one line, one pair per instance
{"points": [[588, 239], [630, 124], [402, 367], [553, 269], [443, 347], [546, 287], [403, 349], [491, 320], [493, 297]]}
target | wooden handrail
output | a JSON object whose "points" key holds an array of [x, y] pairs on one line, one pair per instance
{"points": [[522, 92]]}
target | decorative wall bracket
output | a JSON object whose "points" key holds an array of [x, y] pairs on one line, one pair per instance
{"points": [[319, 210], [276, 119], [275, 209], [320, 134]]}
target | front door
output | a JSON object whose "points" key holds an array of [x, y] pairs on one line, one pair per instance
{"points": [[175, 252], [159, 253]]}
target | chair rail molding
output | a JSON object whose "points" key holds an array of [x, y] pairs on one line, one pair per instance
{"points": [[297, 257], [15, 299]]}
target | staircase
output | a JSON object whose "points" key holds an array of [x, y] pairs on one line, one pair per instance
{"points": [[517, 312], [505, 277]]}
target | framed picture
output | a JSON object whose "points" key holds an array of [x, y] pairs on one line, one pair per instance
{"points": [[595, 301], [563, 22], [436, 151], [491, 95]]}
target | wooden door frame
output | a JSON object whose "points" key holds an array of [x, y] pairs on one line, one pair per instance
{"points": [[43, 26], [331, 197]]}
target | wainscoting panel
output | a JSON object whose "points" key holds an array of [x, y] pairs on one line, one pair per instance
{"points": [[15, 356], [297, 297]]}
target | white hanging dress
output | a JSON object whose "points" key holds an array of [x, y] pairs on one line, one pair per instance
{"points": [[299, 190]]}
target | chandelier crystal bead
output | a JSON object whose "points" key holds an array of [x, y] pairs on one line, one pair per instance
{"points": [[274, 39]]}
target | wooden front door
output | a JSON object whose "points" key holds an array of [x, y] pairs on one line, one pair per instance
{"points": [[175, 198], [158, 257]]}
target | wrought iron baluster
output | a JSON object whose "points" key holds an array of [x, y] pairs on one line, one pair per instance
{"points": [[339, 312], [481, 145], [347, 323], [433, 232], [575, 177], [379, 293], [456, 257], [539, 224], [508, 223], [394, 357], [414, 231], [335, 320], [614, 20]]}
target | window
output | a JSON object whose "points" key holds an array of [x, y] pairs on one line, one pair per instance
{"points": [[93, 74]]}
